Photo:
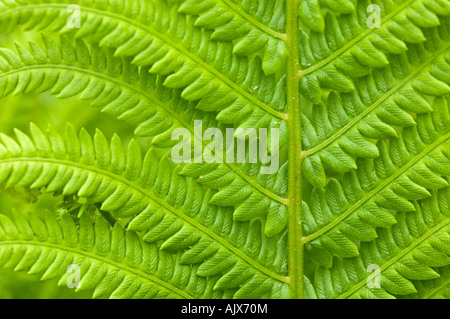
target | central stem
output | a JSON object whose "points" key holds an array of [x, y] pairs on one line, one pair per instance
{"points": [[295, 150]]}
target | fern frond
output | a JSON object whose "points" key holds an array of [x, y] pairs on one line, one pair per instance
{"points": [[336, 48], [343, 128], [253, 26], [173, 47], [112, 84], [153, 198], [412, 250], [435, 288], [364, 119], [112, 263], [133, 95], [378, 140], [408, 168]]}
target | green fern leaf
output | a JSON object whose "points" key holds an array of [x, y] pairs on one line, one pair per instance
{"points": [[112, 262], [150, 195], [357, 90]]}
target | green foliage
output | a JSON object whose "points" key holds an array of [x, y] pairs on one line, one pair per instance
{"points": [[372, 161]]}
